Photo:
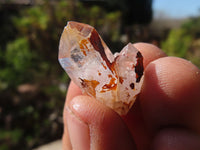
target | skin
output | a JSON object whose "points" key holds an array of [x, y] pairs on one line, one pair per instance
{"points": [[165, 115]]}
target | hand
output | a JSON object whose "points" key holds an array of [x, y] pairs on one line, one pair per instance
{"points": [[165, 116]]}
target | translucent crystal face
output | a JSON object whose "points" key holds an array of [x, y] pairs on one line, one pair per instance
{"points": [[115, 80]]}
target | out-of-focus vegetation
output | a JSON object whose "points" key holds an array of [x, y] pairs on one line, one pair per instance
{"points": [[32, 83], [184, 41]]}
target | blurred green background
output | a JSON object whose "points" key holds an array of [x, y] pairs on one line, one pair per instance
{"points": [[32, 83]]}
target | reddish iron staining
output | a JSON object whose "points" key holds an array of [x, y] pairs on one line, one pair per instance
{"points": [[112, 67], [110, 76], [102, 91], [111, 86], [128, 95], [84, 52], [132, 85], [83, 84], [83, 46], [84, 43], [99, 73], [121, 80], [97, 44], [139, 67], [104, 66], [90, 85], [133, 66]]}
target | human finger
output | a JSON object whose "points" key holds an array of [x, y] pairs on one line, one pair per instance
{"points": [[92, 125], [73, 90], [170, 97]]}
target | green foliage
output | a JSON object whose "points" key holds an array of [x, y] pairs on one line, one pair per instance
{"points": [[18, 55], [114, 25], [10, 136], [191, 27], [34, 17], [184, 41], [17, 60], [177, 43], [13, 135]]}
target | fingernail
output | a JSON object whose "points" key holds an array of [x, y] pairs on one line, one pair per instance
{"points": [[78, 131]]}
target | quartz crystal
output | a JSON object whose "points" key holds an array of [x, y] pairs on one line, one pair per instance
{"points": [[114, 80]]}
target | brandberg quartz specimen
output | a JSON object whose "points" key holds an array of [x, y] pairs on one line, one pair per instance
{"points": [[115, 80]]}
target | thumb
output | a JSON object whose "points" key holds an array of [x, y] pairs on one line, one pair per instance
{"points": [[91, 125]]}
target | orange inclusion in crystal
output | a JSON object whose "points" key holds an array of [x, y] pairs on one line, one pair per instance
{"points": [[111, 86], [104, 66], [121, 80], [110, 76], [90, 85], [83, 46], [93, 83]]}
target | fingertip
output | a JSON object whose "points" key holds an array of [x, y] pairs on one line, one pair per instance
{"points": [[78, 131], [107, 129], [170, 93], [174, 76], [90, 110]]}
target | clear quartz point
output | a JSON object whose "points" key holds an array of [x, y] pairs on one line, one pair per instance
{"points": [[114, 80]]}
